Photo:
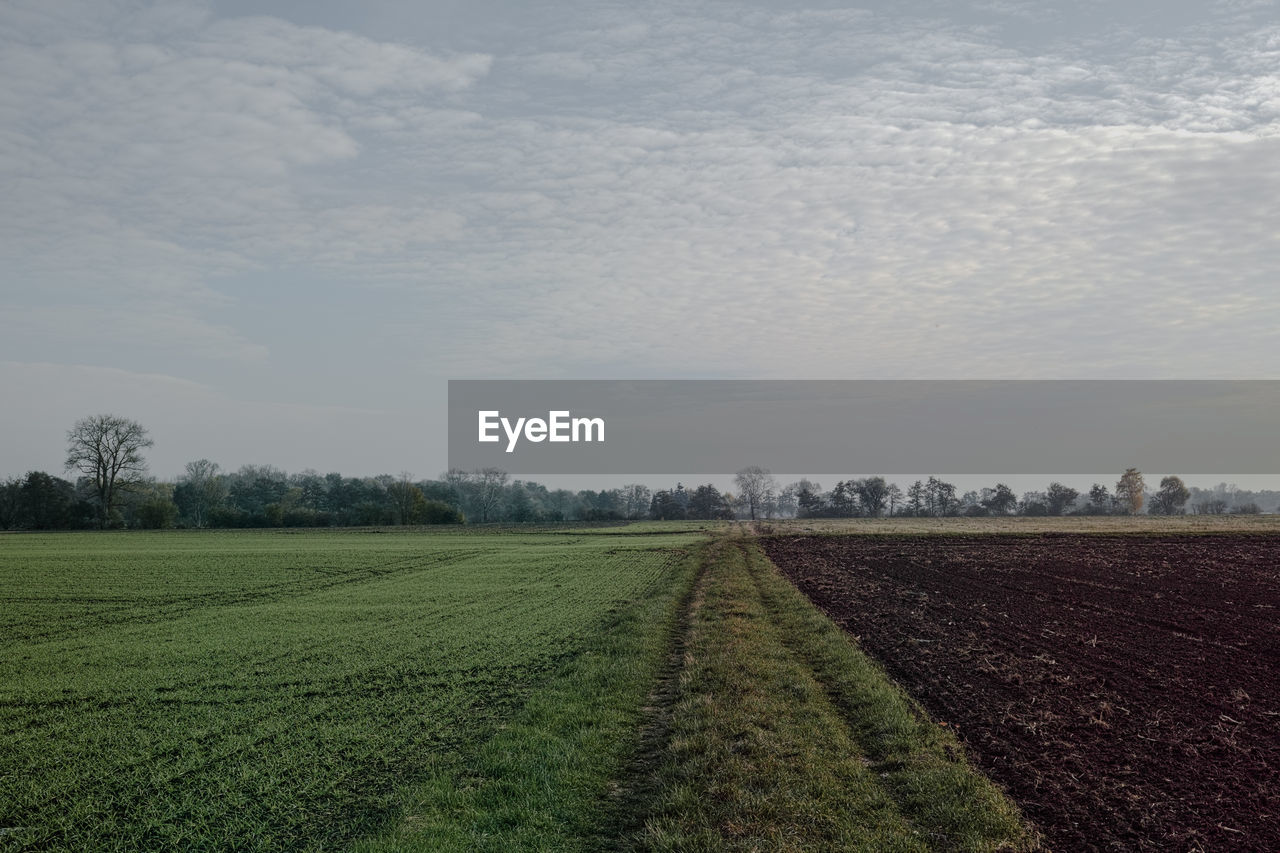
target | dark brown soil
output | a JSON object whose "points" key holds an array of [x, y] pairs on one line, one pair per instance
{"points": [[1124, 689]]}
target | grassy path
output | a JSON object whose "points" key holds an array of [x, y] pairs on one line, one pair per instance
{"points": [[780, 735]]}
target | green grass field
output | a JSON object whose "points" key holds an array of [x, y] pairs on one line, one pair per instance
{"points": [[654, 686], [271, 690]]}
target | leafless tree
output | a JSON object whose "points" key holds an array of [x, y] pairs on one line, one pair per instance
{"points": [[201, 489], [636, 498], [404, 495], [108, 451], [755, 486], [490, 489]]}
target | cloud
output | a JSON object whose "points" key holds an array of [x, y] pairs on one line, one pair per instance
{"points": [[866, 197], [147, 150], [721, 190], [163, 329]]}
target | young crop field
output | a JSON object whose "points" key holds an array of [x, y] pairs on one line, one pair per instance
{"points": [[269, 690], [1125, 689]]}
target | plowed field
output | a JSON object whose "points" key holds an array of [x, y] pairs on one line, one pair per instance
{"points": [[1124, 689]]}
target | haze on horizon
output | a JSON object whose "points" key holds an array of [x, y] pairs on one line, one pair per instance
{"points": [[270, 232]]}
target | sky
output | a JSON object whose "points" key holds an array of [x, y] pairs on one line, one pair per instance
{"points": [[272, 231]]}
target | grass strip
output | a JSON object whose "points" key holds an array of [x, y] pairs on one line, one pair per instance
{"points": [[783, 736], [542, 782], [920, 763]]}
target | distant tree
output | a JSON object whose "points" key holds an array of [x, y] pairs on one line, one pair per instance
{"points": [[298, 512], [755, 485], [199, 491], [999, 501], [335, 497], [312, 486], [459, 485], [894, 498], [787, 505], [404, 495], [47, 503], [520, 506], [437, 512], [1249, 508], [1130, 491], [107, 450], [1171, 498], [706, 502], [1034, 503], [843, 500], [560, 504], [809, 502], [370, 512], [1210, 506], [971, 505], [153, 507], [1060, 498], [873, 495], [1100, 500], [490, 487], [436, 490], [940, 497], [636, 498], [10, 503], [664, 506], [273, 514], [916, 499], [254, 488], [608, 505]]}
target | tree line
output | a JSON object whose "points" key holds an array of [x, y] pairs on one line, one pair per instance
{"points": [[113, 490], [934, 497]]}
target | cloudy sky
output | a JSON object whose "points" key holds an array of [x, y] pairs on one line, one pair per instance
{"points": [[271, 231]]}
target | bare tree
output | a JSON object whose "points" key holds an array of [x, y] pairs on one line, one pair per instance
{"points": [[461, 489], [1210, 506], [894, 497], [404, 495], [940, 497], [200, 490], [636, 499], [108, 450], [755, 486], [491, 486]]}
